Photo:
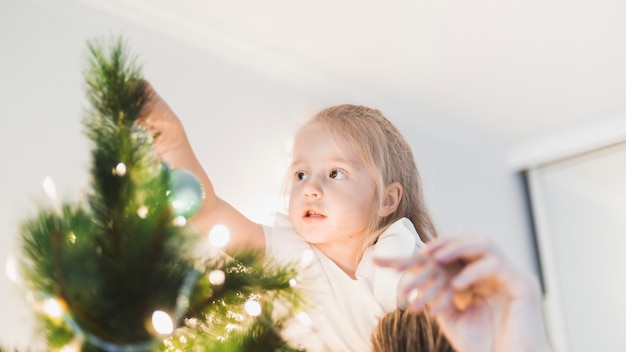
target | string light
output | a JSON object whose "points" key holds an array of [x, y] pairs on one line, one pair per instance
{"points": [[11, 269], [217, 277], [49, 187], [180, 221], [73, 346], [142, 211], [252, 307], [162, 322], [51, 191], [292, 282], [230, 327], [120, 169], [71, 236], [53, 308], [219, 236], [304, 318]]}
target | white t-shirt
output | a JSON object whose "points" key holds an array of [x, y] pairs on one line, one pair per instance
{"points": [[343, 311]]}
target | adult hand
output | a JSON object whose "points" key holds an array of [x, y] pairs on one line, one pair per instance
{"points": [[481, 301]]}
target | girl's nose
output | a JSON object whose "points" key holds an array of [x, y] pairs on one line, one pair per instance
{"points": [[312, 190]]}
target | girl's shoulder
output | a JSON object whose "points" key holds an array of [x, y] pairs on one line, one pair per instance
{"points": [[400, 239]]}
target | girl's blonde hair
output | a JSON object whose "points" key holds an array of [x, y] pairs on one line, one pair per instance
{"points": [[389, 159]]}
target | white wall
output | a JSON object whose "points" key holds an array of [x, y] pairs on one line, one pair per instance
{"points": [[239, 121]]}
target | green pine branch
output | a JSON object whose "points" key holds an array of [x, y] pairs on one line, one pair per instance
{"points": [[114, 260]]}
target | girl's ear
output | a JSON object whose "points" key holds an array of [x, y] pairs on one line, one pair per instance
{"points": [[391, 199]]}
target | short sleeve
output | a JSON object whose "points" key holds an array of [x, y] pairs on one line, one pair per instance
{"points": [[399, 240]]}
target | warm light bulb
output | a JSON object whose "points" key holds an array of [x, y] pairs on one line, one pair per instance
{"points": [[120, 169], [51, 192], [180, 221], [217, 277], [304, 318], [162, 322], [73, 346], [69, 348], [11, 269], [219, 236], [142, 211], [53, 308], [252, 307], [49, 187]]}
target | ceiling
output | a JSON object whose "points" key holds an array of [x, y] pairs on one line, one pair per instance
{"points": [[518, 70]]}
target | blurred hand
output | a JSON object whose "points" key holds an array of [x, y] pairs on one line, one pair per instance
{"points": [[481, 301], [170, 140]]}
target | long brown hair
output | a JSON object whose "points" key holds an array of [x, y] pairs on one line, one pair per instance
{"points": [[406, 330]]}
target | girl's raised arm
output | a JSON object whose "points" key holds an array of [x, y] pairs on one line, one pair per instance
{"points": [[172, 145]]}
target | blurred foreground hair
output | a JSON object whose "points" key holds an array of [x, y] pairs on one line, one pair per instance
{"points": [[406, 330]]}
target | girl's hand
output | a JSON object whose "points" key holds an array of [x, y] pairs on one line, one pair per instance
{"points": [[481, 301], [170, 140]]}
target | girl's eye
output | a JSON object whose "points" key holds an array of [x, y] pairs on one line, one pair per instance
{"points": [[301, 176], [336, 174]]}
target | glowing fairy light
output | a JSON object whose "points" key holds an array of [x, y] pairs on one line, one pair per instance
{"points": [[11, 269], [233, 327], [217, 277], [293, 282], [162, 322], [120, 169], [49, 187], [219, 236], [51, 191], [69, 348], [71, 236], [234, 316], [73, 346], [180, 221], [53, 308], [252, 307], [307, 257], [142, 211], [304, 318]]}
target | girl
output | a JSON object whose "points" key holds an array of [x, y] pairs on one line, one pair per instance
{"points": [[354, 194]]}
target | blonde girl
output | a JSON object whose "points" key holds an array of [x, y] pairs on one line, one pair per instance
{"points": [[354, 194]]}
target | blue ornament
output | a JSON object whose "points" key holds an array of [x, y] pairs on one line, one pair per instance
{"points": [[186, 193]]}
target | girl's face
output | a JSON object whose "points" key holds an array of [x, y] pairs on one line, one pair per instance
{"points": [[332, 195]]}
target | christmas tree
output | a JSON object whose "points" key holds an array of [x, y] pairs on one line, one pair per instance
{"points": [[118, 271]]}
